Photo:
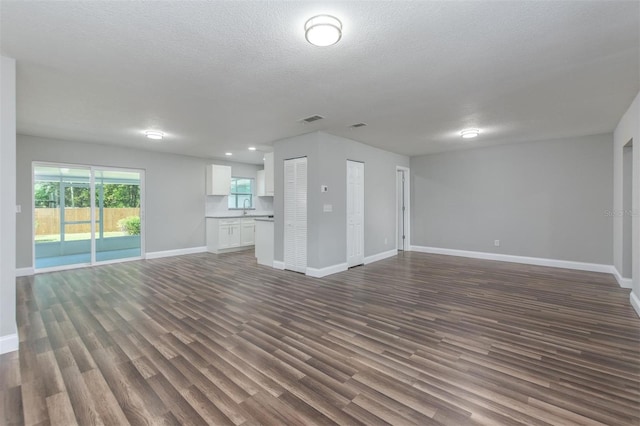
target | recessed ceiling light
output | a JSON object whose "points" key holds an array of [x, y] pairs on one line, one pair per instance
{"points": [[154, 134], [252, 148], [228, 154], [323, 30], [470, 133]]}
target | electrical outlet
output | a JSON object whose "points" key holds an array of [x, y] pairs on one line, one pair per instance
{"points": [[496, 243], [18, 208]]}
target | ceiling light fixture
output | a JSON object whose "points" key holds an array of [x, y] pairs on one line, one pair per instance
{"points": [[252, 148], [228, 154], [469, 133], [323, 30], [154, 134]]}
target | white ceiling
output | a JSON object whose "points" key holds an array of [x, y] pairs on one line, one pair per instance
{"points": [[221, 76]]}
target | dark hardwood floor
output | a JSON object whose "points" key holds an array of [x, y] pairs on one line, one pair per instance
{"points": [[415, 339]]}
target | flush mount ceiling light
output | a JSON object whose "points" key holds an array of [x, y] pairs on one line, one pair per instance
{"points": [[323, 30], [154, 134], [228, 154], [470, 133], [252, 148]]}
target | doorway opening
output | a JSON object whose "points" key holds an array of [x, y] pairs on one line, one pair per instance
{"points": [[85, 215], [402, 209], [627, 208]]}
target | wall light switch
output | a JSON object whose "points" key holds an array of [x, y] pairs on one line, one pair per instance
{"points": [[327, 208], [324, 188], [18, 208], [496, 243]]}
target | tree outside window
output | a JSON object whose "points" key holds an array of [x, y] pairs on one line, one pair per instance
{"points": [[241, 190]]}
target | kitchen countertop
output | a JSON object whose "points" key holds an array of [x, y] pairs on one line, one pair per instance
{"points": [[264, 219], [236, 215]]}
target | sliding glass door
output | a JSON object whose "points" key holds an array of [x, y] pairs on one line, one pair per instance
{"points": [[118, 214], [62, 198], [85, 215]]}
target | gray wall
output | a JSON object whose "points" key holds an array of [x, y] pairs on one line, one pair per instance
{"points": [[542, 199], [8, 204], [627, 207], [174, 189], [627, 130], [327, 157]]}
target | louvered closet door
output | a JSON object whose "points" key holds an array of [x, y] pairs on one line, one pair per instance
{"points": [[355, 213], [295, 214], [301, 214]]}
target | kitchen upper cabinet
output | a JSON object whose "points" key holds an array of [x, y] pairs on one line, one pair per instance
{"points": [[261, 189], [268, 173], [218, 179]]}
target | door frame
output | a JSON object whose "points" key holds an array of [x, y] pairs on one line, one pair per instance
{"points": [[407, 193], [92, 169], [347, 210]]}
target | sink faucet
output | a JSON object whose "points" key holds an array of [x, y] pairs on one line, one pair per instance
{"points": [[244, 207]]}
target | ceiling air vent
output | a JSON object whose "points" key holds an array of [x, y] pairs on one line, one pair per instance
{"points": [[355, 126], [311, 119]]}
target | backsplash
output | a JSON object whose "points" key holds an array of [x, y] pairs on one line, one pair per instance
{"points": [[215, 205]]}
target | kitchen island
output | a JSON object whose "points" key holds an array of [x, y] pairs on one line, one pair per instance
{"points": [[264, 241]]}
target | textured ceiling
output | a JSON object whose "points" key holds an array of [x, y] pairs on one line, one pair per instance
{"points": [[221, 76]]}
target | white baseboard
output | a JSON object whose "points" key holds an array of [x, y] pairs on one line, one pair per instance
{"points": [[9, 343], [278, 265], [539, 261], [380, 256], [178, 252], [622, 282], [635, 302], [323, 272], [24, 272]]}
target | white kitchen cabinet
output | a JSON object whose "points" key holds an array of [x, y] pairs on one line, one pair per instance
{"points": [[218, 179], [268, 173], [261, 189], [228, 234], [248, 232]]}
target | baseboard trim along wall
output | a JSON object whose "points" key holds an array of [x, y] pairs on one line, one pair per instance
{"points": [[9, 343], [622, 282], [178, 252], [323, 272], [24, 272], [539, 261], [635, 302], [278, 265], [380, 256]]}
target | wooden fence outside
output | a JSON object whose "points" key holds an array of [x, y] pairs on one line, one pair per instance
{"points": [[48, 220]]}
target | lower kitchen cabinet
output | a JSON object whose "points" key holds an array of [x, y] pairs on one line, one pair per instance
{"points": [[229, 234]]}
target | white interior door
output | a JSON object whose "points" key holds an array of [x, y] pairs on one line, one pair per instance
{"points": [[295, 214], [355, 213]]}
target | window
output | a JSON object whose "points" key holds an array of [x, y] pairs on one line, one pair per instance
{"points": [[241, 194]]}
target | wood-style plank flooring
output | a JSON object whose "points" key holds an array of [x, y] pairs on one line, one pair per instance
{"points": [[414, 339]]}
